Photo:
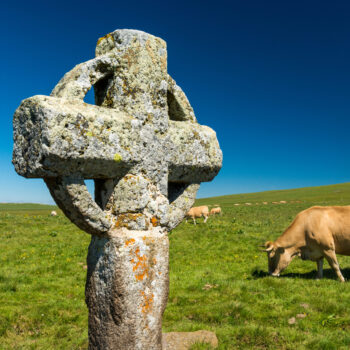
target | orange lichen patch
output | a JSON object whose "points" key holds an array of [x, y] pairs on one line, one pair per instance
{"points": [[150, 51], [164, 63], [130, 56], [147, 302], [154, 221], [130, 241], [124, 219], [129, 176], [141, 266]]}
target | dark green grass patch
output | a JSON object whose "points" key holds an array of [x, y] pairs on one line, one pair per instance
{"points": [[218, 279]]}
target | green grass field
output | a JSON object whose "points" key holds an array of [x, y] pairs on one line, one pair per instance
{"points": [[218, 278]]}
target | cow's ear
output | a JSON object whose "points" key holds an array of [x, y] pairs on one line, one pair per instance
{"points": [[270, 249], [269, 246]]}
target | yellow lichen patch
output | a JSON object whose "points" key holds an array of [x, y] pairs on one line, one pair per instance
{"points": [[154, 221], [103, 38], [130, 241], [117, 158], [147, 302], [89, 134]]}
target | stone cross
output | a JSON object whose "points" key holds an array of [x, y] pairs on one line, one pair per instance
{"points": [[147, 154]]}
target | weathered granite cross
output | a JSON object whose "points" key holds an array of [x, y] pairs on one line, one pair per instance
{"points": [[147, 154]]}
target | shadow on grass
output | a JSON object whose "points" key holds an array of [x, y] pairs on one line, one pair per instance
{"points": [[327, 273]]}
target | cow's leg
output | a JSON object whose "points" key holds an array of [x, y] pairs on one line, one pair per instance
{"points": [[320, 268], [333, 262], [205, 218], [194, 220]]}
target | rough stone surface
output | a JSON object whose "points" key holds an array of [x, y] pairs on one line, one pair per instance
{"points": [[144, 124], [184, 340], [147, 154], [127, 289]]}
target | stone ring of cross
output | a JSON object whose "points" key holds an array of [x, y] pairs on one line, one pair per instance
{"points": [[140, 143]]}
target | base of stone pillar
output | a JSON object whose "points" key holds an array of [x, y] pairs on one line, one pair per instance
{"points": [[184, 340], [127, 290]]}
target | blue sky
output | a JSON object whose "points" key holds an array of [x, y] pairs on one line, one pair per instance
{"points": [[271, 77]]}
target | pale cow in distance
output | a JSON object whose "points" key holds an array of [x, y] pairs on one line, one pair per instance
{"points": [[215, 211], [197, 212], [315, 233], [53, 213]]}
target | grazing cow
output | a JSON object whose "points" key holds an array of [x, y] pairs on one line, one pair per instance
{"points": [[197, 212], [53, 213], [214, 211], [315, 233]]}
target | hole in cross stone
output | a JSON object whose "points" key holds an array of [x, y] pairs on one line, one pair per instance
{"points": [[90, 97], [175, 190], [175, 110], [101, 89], [103, 191], [90, 185]]}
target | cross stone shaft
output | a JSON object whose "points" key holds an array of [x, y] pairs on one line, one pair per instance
{"points": [[147, 154]]}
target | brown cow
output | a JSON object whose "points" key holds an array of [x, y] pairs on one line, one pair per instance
{"points": [[315, 233], [214, 211], [197, 212]]}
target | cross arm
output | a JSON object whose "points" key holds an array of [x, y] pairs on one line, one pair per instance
{"points": [[194, 153], [57, 137]]}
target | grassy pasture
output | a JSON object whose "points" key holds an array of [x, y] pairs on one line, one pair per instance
{"points": [[218, 278]]}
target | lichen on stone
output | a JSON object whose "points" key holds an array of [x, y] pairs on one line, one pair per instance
{"points": [[117, 158], [147, 154]]}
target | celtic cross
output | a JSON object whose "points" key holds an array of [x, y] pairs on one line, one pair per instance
{"points": [[145, 151]]}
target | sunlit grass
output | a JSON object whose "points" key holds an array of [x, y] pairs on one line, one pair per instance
{"points": [[218, 279]]}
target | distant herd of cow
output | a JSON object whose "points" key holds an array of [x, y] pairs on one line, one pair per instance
{"points": [[202, 211], [315, 233]]}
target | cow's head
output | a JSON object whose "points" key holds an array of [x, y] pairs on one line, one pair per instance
{"points": [[278, 258]]}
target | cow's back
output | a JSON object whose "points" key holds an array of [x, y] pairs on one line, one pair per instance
{"points": [[198, 211], [328, 227], [202, 210]]}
